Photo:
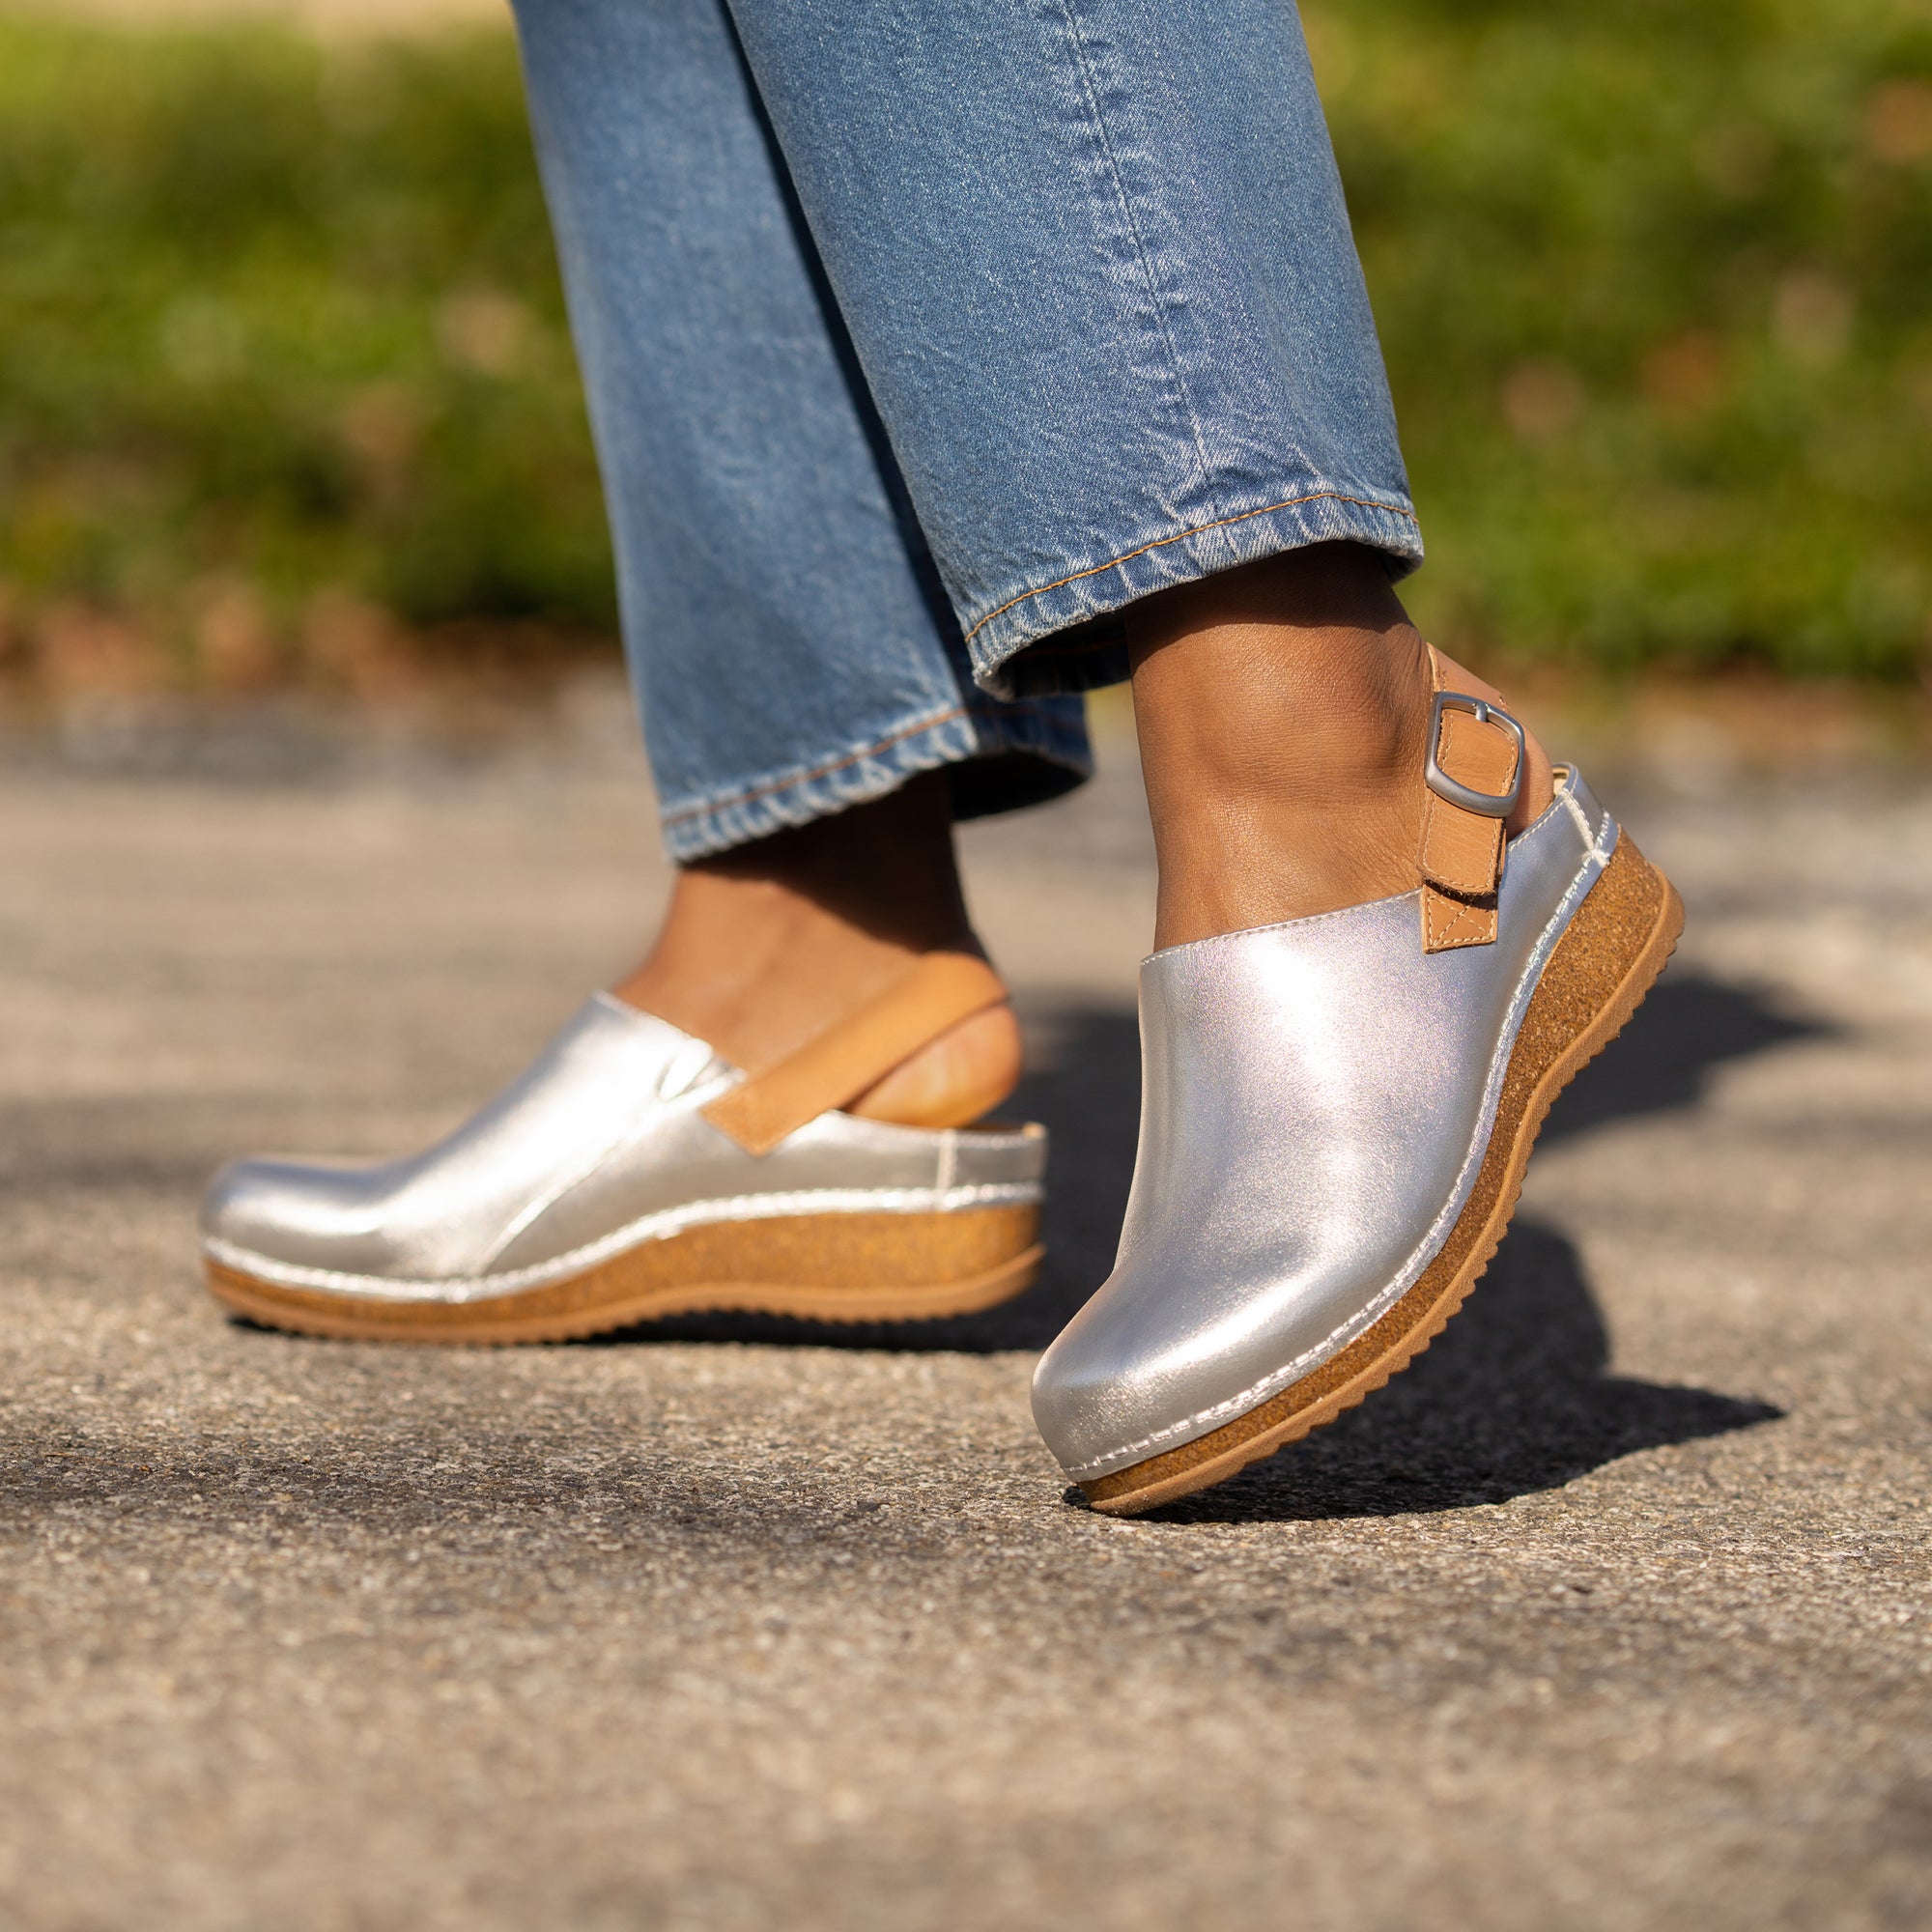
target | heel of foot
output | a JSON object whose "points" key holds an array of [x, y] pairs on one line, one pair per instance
{"points": [[953, 1080]]}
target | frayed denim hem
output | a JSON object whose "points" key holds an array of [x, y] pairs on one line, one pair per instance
{"points": [[1001, 757], [1065, 636]]}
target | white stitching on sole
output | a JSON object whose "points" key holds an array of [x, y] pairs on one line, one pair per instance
{"points": [[658, 1227], [1596, 856]]}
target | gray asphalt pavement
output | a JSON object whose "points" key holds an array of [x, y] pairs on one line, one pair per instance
{"points": [[1613, 1612]]}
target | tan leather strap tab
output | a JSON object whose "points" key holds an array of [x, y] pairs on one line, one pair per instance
{"points": [[1461, 851], [1449, 921], [857, 1052]]}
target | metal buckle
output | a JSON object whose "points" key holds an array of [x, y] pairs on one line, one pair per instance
{"points": [[1492, 805]]}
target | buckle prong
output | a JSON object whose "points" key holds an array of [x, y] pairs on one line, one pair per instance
{"points": [[1490, 804]]}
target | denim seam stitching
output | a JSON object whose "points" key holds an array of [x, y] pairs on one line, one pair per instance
{"points": [[1180, 536], [982, 712], [817, 772], [1083, 60]]}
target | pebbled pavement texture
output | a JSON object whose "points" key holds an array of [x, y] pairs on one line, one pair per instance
{"points": [[1611, 1613]]}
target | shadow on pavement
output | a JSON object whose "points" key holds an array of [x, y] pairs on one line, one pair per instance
{"points": [[1689, 1026], [1512, 1397]]}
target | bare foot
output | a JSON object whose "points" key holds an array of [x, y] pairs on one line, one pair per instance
{"points": [[1282, 709], [766, 946]]}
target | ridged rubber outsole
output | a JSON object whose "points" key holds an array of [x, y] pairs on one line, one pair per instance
{"points": [[1605, 962], [816, 1267]]}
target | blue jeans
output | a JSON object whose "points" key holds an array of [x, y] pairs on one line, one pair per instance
{"points": [[921, 336]]}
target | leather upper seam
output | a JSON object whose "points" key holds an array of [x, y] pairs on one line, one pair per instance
{"points": [[1565, 793]]}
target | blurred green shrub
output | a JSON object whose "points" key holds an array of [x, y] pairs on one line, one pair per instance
{"points": [[283, 358], [1655, 286], [281, 348]]}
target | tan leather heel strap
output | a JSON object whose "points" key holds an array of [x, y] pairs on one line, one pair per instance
{"points": [[1475, 763], [857, 1052]]}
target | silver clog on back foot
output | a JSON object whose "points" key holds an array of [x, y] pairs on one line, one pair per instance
{"points": [[599, 1190], [1334, 1127]]}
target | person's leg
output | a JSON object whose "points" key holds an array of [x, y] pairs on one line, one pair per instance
{"points": [[771, 1113], [1282, 711], [763, 944], [1097, 266], [794, 665], [1099, 273]]}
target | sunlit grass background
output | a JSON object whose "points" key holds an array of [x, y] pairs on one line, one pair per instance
{"points": [[287, 397]]}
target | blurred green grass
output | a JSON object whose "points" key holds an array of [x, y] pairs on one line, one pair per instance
{"points": [[286, 390], [1655, 283]]}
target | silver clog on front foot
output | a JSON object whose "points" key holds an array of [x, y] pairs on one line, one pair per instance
{"points": [[1334, 1127], [595, 1192]]}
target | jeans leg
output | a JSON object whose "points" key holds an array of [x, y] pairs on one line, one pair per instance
{"points": [[787, 643], [1097, 266]]}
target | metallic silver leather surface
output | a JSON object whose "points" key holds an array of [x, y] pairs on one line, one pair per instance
{"points": [[1317, 1099], [599, 1146]]}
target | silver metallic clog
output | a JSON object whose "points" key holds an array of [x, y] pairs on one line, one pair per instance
{"points": [[1337, 1114], [631, 1172]]}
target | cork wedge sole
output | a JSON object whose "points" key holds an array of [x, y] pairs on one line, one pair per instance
{"points": [[820, 1267], [1598, 975]]}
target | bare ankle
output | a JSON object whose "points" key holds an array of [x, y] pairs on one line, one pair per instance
{"points": [[1282, 711], [765, 946]]}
